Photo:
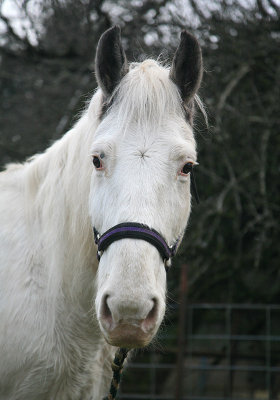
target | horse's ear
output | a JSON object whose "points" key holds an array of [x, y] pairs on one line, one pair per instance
{"points": [[186, 69], [110, 61]]}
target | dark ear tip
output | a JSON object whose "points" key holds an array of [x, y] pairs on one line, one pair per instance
{"points": [[114, 31], [184, 33], [187, 36], [116, 28]]}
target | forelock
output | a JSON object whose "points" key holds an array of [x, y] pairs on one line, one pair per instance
{"points": [[146, 95]]}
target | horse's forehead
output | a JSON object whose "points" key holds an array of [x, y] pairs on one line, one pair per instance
{"points": [[164, 136], [140, 138], [160, 152]]}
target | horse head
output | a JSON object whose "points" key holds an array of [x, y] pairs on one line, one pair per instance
{"points": [[143, 152]]}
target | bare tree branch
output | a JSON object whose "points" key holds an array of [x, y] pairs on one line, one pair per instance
{"points": [[243, 70], [10, 30], [197, 10], [275, 7]]}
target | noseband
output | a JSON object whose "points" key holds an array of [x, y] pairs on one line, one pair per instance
{"points": [[134, 230]]}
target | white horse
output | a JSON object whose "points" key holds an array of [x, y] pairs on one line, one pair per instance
{"points": [[127, 159]]}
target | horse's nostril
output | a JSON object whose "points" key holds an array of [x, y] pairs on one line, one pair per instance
{"points": [[106, 314], [115, 312], [150, 321]]}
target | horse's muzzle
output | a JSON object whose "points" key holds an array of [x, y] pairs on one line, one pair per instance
{"points": [[129, 336], [128, 324]]}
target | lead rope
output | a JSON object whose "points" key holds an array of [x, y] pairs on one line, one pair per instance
{"points": [[117, 368]]}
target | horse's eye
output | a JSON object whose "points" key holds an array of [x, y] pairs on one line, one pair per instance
{"points": [[97, 162], [186, 168]]}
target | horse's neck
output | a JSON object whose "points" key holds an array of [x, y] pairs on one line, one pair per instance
{"points": [[57, 198]]}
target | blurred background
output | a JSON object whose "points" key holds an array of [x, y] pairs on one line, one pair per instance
{"points": [[221, 337]]}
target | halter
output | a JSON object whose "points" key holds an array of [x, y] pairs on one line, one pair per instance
{"points": [[135, 230]]}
